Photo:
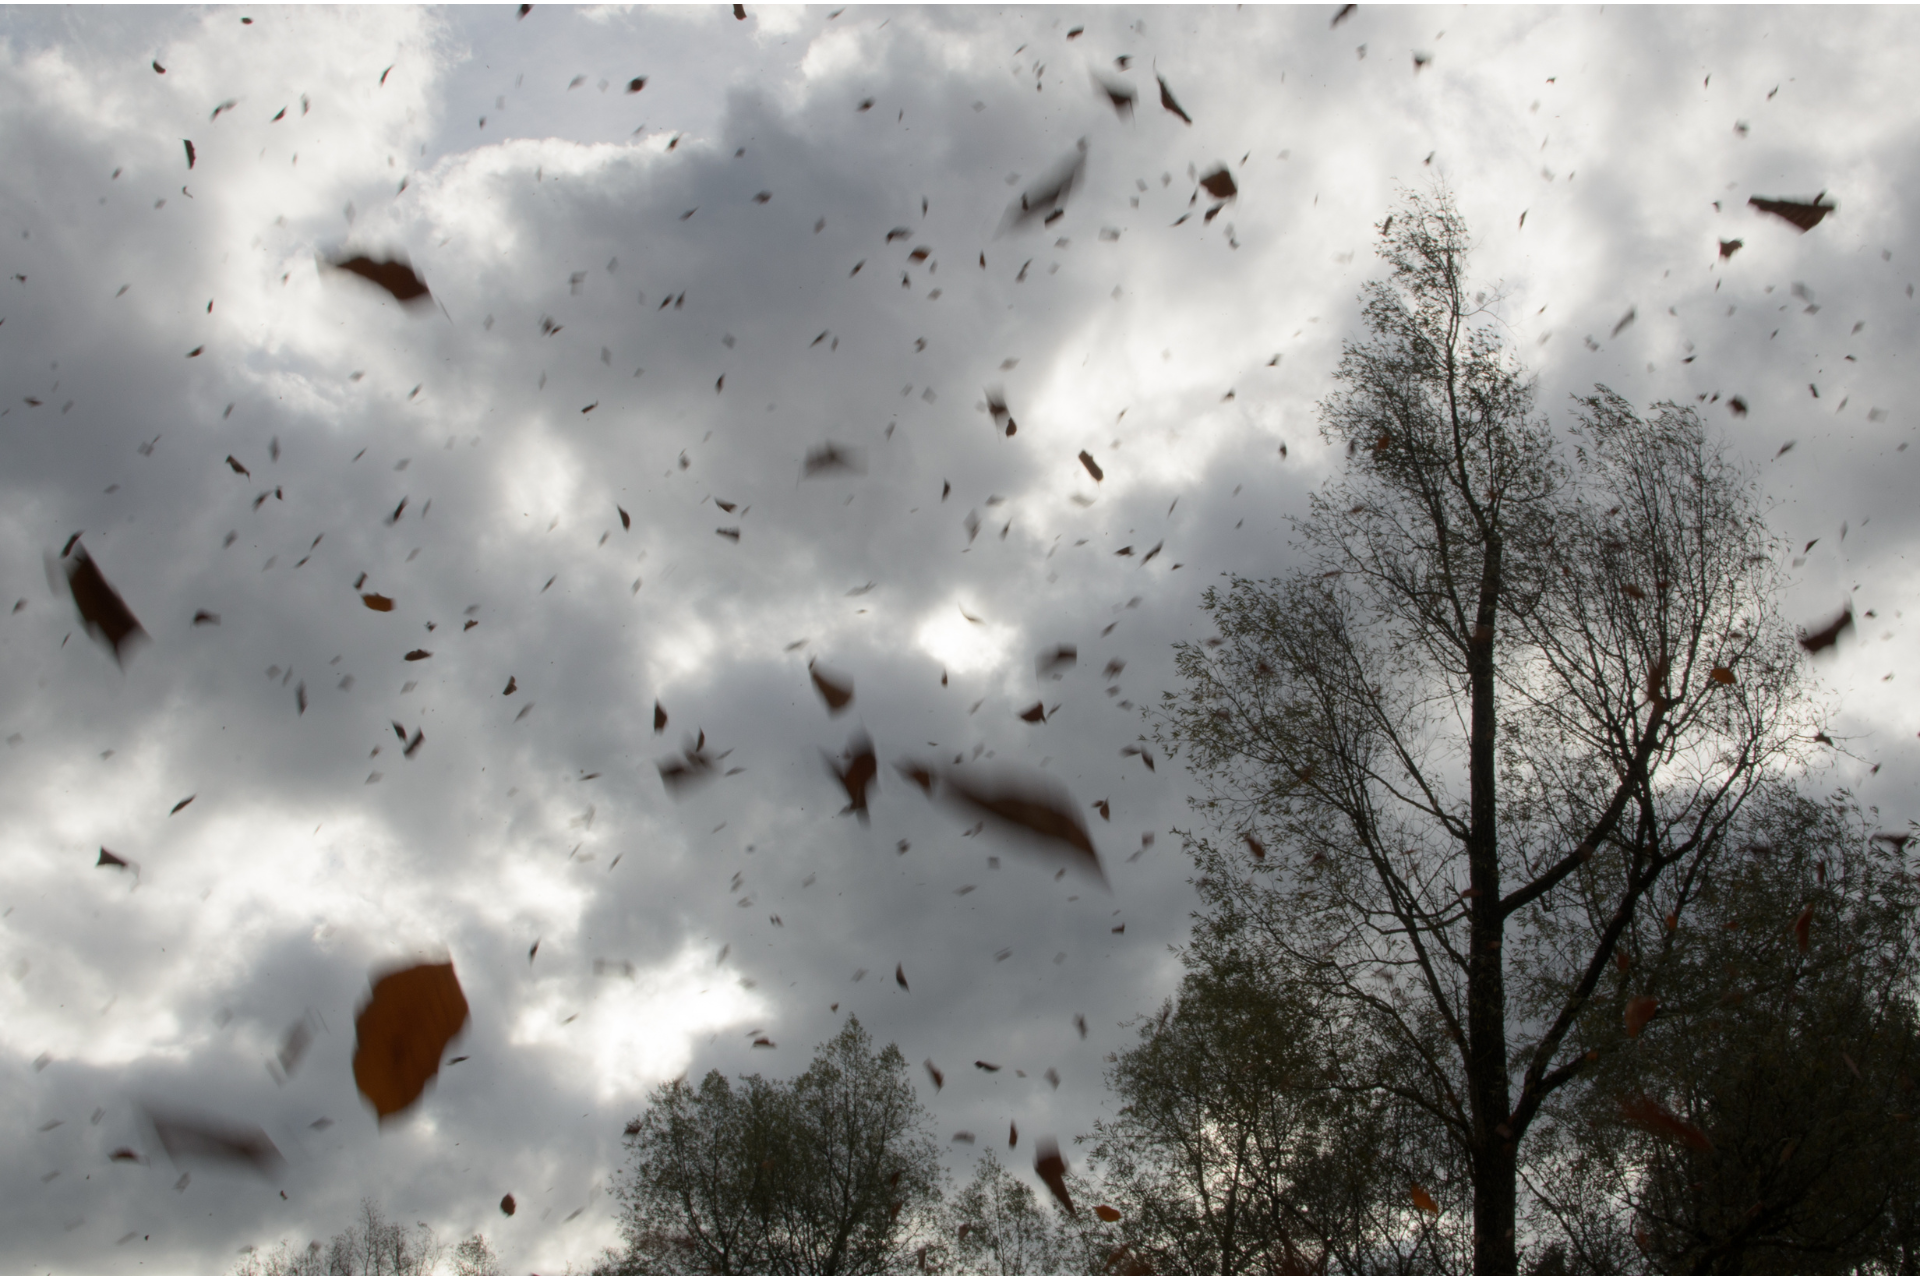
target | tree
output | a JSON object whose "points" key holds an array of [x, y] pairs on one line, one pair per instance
{"points": [[1794, 1063], [1499, 719], [374, 1245], [475, 1257], [1230, 1154], [997, 1227], [832, 1173]]}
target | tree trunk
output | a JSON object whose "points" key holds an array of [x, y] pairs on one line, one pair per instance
{"points": [[1487, 1083], [1495, 1187]]}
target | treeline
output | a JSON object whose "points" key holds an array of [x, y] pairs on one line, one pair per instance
{"points": [[1763, 1121]]}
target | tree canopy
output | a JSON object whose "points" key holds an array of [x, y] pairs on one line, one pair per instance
{"points": [[831, 1173]]}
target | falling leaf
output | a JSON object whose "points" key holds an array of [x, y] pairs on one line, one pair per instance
{"points": [[507, 1204], [1804, 214], [837, 690], [106, 615], [1053, 1171], [862, 769], [1034, 803], [183, 804], [1120, 95], [190, 155], [218, 1141], [939, 1079], [512, 684], [1093, 468], [626, 521], [395, 276], [401, 1032], [110, 859], [238, 467], [1258, 850], [1166, 100], [1721, 675], [1219, 184], [900, 976], [1035, 714], [1803, 929], [831, 457], [997, 410], [377, 602], [417, 655], [1639, 1010], [158, 69], [1645, 1113], [659, 717], [1423, 1201], [1827, 636], [1730, 247]]}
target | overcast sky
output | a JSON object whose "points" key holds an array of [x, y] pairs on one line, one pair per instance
{"points": [[552, 213]]}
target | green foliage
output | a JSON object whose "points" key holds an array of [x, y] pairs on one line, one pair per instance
{"points": [[832, 1173]]}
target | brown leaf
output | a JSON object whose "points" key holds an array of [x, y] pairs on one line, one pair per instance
{"points": [[1053, 1171], [512, 684], [1035, 714], [1829, 635], [418, 655], [837, 690], [900, 976], [1219, 184], [659, 716], [106, 615], [1730, 247], [997, 410], [1804, 214], [507, 1205], [1120, 95], [1106, 1213], [1034, 803], [1803, 929], [939, 1078], [395, 276], [183, 804], [1423, 1201], [238, 466], [1721, 675], [401, 1032], [1166, 100], [377, 602], [1106, 811], [1639, 1010], [1013, 1134], [1254, 847], [110, 859], [1645, 1113]]}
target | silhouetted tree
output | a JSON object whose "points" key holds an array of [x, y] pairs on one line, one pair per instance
{"points": [[832, 1173], [1492, 726], [997, 1226], [1795, 1065], [373, 1245]]}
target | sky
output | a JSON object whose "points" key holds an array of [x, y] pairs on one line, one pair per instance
{"points": [[649, 303]]}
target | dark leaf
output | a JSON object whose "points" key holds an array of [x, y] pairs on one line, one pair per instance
{"points": [[837, 690], [395, 276], [1219, 184], [108, 859], [377, 602], [105, 613], [1804, 214], [1093, 468], [1827, 636], [1053, 1171], [1166, 100], [218, 1141], [507, 1205], [416, 655]]}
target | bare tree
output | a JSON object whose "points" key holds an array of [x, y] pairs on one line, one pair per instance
{"points": [[1497, 725], [475, 1257]]}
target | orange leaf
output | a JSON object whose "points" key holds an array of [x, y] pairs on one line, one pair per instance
{"points": [[1649, 1115], [402, 1031], [1424, 1202], [377, 602], [1106, 1213], [1639, 1010], [1721, 675]]}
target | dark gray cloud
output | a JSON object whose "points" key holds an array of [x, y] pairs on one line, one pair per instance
{"points": [[548, 387]]}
